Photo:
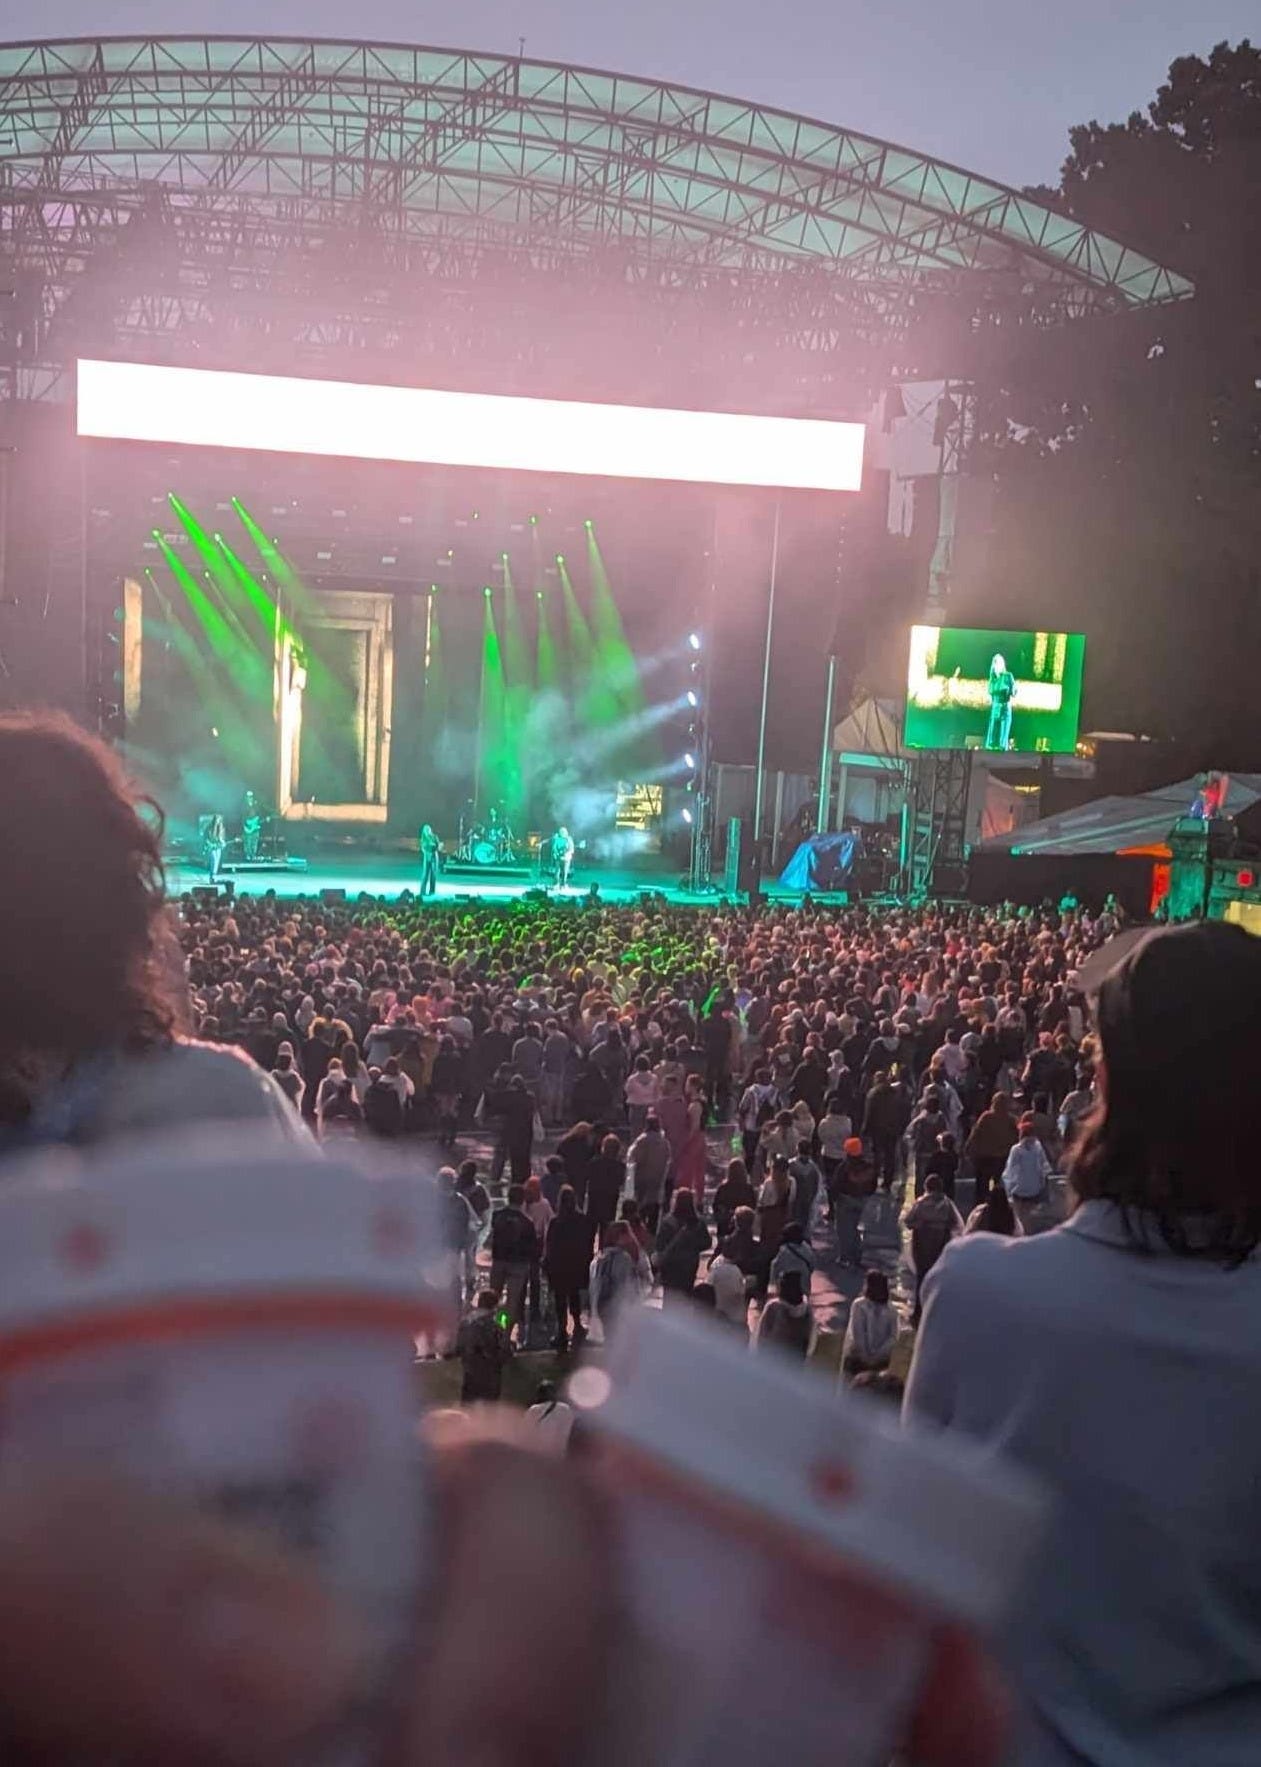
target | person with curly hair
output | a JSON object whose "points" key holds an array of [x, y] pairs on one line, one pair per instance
{"points": [[92, 1039]]}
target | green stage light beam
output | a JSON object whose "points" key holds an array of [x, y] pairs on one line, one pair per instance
{"points": [[518, 693], [577, 632], [598, 705], [435, 707], [294, 598], [215, 570], [221, 694], [489, 784], [181, 641], [545, 669], [615, 658], [215, 629], [265, 610], [289, 583]]}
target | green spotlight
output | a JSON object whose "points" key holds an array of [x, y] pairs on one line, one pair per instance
{"points": [[534, 521], [560, 558], [487, 590]]}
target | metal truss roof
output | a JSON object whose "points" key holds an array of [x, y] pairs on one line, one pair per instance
{"points": [[249, 147]]}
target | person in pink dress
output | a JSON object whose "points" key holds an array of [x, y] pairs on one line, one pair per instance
{"points": [[692, 1156]]}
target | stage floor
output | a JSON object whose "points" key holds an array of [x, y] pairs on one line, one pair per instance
{"points": [[388, 874]]}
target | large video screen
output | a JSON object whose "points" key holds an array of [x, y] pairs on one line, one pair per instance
{"points": [[1002, 692], [206, 407]]}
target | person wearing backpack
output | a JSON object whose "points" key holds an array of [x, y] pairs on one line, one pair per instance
{"points": [[614, 1281], [787, 1321], [795, 1254], [459, 1231], [383, 1106], [484, 1347], [807, 1180], [757, 1107], [514, 1247], [934, 1222]]}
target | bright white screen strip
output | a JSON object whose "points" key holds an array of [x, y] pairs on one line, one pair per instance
{"points": [[199, 407]]}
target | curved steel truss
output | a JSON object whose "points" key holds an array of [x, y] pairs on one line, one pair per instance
{"points": [[143, 182]]}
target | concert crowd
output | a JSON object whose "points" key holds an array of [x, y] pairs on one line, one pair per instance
{"points": [[714, 1103]]}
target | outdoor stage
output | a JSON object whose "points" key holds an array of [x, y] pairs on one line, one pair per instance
{"points": [[388, 875]]}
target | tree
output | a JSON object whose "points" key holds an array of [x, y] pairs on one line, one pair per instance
{"points": [[1127, 450]]}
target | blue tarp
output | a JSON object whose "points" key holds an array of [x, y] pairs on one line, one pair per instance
{"points": [[822, 862]]}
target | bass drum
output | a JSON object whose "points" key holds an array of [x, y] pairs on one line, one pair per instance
{"points": [[484, 852]]}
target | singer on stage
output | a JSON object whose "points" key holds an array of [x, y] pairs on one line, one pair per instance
{"points": [[430, 848], [1002, 689]]}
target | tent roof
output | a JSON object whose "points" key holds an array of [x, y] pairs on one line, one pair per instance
{"points": [[1121, 824], [873, 727]]}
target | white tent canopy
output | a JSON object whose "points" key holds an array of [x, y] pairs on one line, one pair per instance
{"points": [[1118, 824]]}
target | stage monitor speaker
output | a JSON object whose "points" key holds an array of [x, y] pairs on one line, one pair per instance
{"points": [[743, 870], [208, 895], [332, 898]]}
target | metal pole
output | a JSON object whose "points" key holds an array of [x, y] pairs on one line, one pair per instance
{"points": [[702, 843], [759, 784], [92, 714], [825, 759]]}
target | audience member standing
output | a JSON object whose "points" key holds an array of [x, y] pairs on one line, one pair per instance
{"points": [[1118, 1358], [1027, 1173], [567, 1261]]}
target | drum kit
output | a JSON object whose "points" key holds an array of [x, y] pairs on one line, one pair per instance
{"points": [[487, 843]]}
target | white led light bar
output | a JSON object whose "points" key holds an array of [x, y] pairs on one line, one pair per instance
{"points": [[207, 408]]}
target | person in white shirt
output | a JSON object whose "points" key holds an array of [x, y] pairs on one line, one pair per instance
{"points": [[550, 1419], [1026, 1173], [952, 1056], [1117, 1359], [795, 1253], [393, 1076], [834, 1130], [731, 1292], [872, 1329], [642, 1091], [330, 1086]]}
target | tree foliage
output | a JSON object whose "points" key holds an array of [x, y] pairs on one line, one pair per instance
{"points": [[1126, 451]]}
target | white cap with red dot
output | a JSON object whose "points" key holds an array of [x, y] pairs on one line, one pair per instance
{"points": [[944, 1523], [208, 1218]]}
